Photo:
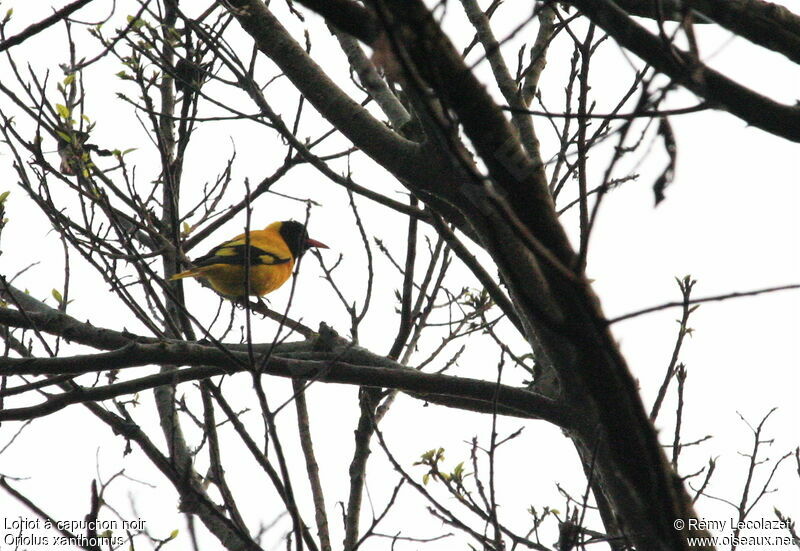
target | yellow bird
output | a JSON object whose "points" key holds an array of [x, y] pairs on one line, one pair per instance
{"points": [[273, 252]]}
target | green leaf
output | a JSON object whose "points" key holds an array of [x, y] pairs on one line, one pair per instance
{"points": [[173, 534], [57, 296], [64, 136], [135, 22], [425, 478], [62, 110], [70, 79], [187, 229], [9, 13], [4, 196]]}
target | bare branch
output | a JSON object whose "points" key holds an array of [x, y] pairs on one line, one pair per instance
{"points": [[40, 26], [714, 87]]}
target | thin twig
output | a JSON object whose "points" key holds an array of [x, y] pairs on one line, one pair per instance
{"points": [[715, 298]]}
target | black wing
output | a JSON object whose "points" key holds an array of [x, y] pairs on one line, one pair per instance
{"points": [[235, 253]]}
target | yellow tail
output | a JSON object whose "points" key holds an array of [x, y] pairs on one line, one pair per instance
{"points": [[194, 272]]}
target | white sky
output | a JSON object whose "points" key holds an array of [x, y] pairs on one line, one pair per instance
{"points": [[730, 220]]}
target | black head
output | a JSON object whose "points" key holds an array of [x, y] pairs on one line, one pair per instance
{"points": [[296, 237]]}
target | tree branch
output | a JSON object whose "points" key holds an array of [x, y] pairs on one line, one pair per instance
{"points": [[414, 165], [209, 361], [567, 327], [368, 134], [45, 23], [722, 92], [764, 23]]}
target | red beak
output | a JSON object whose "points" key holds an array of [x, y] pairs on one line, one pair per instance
{"points": [[314, 243]]}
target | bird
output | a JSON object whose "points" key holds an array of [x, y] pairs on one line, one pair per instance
{"points": [[273, 253]]}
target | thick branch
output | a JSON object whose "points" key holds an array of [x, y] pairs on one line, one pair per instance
{"points": [[537, 262], [209, 361], [761, 22], [415, 165], [764, 23], [45, 23], [722, 92], [369, 134], [502, 75], [347, 16]]}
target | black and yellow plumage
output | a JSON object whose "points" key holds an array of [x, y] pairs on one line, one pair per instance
{"points": [[272, 254]]}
